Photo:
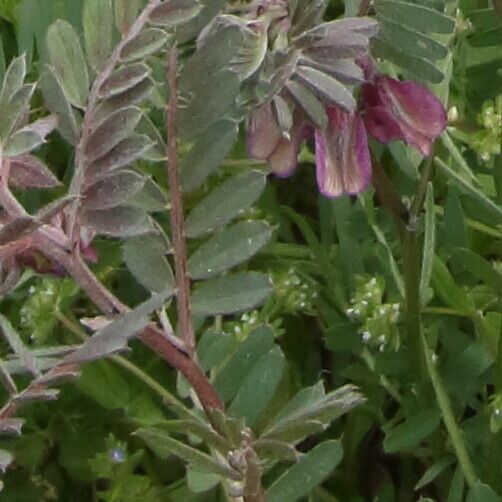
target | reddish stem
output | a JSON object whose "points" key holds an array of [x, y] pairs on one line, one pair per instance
{"points": [[185, 320]]}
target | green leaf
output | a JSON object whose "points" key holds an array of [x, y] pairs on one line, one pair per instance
{"points": [[151, 198], [210, 8], [113, 190], [111, 131], [15, 111], [173, 12], [98, 31], [229, 379], [309, 103], [124, 154], [454, 232], [207, 86], [479, 267], [112, 396], [115, 335], [57, 102], [21, 142], [14, 340], [13, 79], [231, 294], [422, 68], [412, 431], [163, 445], [213, 349], [310, 471], [429, 245], [259, 387], [468, 188], [28, 172], [200, 481], [447, 289], [482, 493], [229, 199], [131, 97], [125, 13], [411, 41], [145, 44], [311, 410], [145, 258], [436, 469], [120, 221], [123, 79], [326, 87], [68, 60], [422, 19], [231, 247], [158, 152]]}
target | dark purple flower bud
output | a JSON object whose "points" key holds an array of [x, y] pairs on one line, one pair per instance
{"points": [[407, 111], [342, 156]]}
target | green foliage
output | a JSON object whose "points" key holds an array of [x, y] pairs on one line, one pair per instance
{"points": [[301, 304]]}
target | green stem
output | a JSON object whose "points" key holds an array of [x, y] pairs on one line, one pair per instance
{"points": [[165, 395], [411, 274], [423, 364], [448, 417]]}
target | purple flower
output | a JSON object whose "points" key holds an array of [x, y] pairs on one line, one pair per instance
{"points": [[390, 110], [342, 156], [265, 140], [402, 110]]}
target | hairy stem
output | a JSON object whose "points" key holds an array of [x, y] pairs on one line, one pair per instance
{"points": [[185, 320], [170, 400]]}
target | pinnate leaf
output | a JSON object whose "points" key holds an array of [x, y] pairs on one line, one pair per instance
{"points": [[29, 137], [124, 154], [98, 31], [231, 294], [307, 473], [123, 79], [173, 12], [120, 221], [326, 87], [69, 62], [225, 202], [125, 13], [146, 43], [28, 172], [115, 335], [113, 190], [229, 379], [145, 257], [164, 446], [207, 153], [13, 79], [111, 131], [57, 102], [229, 248]]}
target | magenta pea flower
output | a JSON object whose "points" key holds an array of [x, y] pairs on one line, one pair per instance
{"points": [[389, 110], [343, 163], [394, 110]]}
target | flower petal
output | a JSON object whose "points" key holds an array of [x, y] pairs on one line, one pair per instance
{"points": [[342, 156], [263, 133], [284, 160], [402, 110]]}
